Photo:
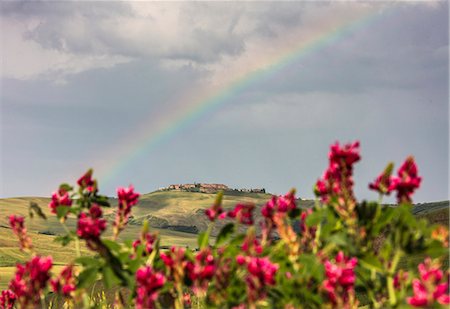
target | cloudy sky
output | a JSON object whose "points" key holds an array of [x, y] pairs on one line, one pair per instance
{"points": [[247, 94]]}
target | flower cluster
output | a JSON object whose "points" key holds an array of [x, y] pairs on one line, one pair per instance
{"points": [[148, 284], [341, 278], [431, 286], [148, 240], [175, 261], [7, 299], [260, 274], [286, 263], [30, 280], [90, 226], [243, 213], [202, 270], [18, 226], [279, 204], [59, 198], [127, 198], [337, 180], [406, 182], [216, 210], [87, 183], [65, 283]]}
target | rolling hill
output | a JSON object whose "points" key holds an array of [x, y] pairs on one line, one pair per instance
{"points": [[177, 216]]}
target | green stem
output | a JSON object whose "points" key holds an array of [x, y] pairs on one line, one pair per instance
{"points": [[77, 241], [390, 279], [380, 199], [43, 301]]}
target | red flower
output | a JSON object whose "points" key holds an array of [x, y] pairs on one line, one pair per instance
{"points": [[86, 182], [65, 283], [281, 204], [7, 299], [202, 270], [243, 212], [340, 278], [216, 210], [430, 287], [407, 181], [383, 183], [345, 156], [18, 226], [337, 179], [149, 283], [127, 199], [30, 280], [261, 273], [148, 240], [175, 261], [90, 226], [59, 198]]}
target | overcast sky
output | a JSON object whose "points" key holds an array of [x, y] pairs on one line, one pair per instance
{"points": [[80, 80]]}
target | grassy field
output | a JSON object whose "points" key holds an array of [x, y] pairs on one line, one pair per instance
{"points": [[176, 216]]}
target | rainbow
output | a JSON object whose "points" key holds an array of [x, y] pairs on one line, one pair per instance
{"points": [[195, 105]]}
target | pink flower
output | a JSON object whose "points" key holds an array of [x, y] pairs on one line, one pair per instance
{"points": [[383, 183], [241, 260], [340, 277], [91, 226], [202, 270], [148, 240], [216, 210], [86, 182], [252, 245], [127, 199], [175, 261], [65, 283], [345, 156], [400, 279], [337, 181], [7, 299], [30, 280], [187, 299], [261, 273], [59, 198], [279, 204], [430, 287], [407, 181], [243, 212], [18, 226], [148, 283], [305, 229]]}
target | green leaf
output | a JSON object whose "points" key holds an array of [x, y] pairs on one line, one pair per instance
{"points": [[87, 277], [225, 233], [203, 239], [314, 218], [65, 187], [61, 211], [339, 239], [112, 245], [64, 240], [371, 262], [88, 261], [35, 208], [101, 200], [109, 278]]}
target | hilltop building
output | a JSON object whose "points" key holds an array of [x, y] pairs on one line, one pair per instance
{"points": [[207, 188]]}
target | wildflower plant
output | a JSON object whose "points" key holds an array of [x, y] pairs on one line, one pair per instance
{"points": [[342, 253]]}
